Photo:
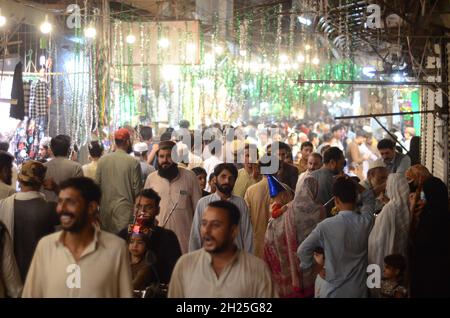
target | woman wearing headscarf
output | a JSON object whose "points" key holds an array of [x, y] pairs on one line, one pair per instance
{"points": [[287, 229], [391, 229], [430, 248]]}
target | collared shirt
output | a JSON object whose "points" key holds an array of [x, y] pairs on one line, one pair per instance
{"points": [[119, 176], [180, 196], [5, 190], [258, 200], [246, 276], [60, 169], [344, 239], [103, 270], [399, 164], [243, 182], [90, 169], [325, 178], [244, 239]]}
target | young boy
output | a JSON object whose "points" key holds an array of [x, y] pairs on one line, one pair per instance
{"points": [[201, 177], [393, 277]]}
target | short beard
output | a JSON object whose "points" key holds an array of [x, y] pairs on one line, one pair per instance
{"points": [[224, 190], [169, 173], [78, 225]]}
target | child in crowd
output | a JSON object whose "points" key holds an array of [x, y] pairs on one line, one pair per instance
{"points": [[201, 177], [141, 271], [319, 257], [393, 277]]}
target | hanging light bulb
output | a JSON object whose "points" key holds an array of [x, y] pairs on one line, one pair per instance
{"points": [[130, 39], [315, 60], [90, 32], [300, 58], [243, 53], [42, 60], [164, 43], [2, 19], [307, 47], [284, 58], [218, 49], [46, 27], [191, 47]]}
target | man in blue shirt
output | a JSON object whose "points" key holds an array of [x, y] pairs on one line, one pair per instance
{"points": [[344, 239]]}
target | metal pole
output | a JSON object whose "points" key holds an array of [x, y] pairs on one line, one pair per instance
{"points": [[386, 114], [376, 83], [390, 134]]}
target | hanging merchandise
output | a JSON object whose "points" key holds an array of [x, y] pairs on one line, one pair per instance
{"points": [[17, 110]]}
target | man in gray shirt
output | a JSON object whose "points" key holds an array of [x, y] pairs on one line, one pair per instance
{"points": [[344, 239], [395, 162], [225, 175], [333, 164]]}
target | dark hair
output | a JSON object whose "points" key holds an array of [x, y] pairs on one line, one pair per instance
{"points": [[345, 189], [361, 133], [319, 250], [60, 145], [396, 261], [89, 190], [336, 128], [198, 171], [150, 194], [234, 214], [250, 147], [120, 142], [317, 155], [166, 136], [211, 176], [6, 160], [334, 153], [184, 124], [312, 135], [281, 145], [327, 137], [306, 144], [95, 149], [4, 146], [386, 144], [226, 166], [146, 132]]}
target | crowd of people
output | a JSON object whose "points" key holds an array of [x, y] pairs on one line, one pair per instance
{"points": [[305, 210]]}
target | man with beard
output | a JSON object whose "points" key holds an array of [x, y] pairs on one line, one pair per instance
{"points": [[220, 269], [179, 191], [225, 175], [81, 261], [119, 177], [164, 249], [333, 165]]}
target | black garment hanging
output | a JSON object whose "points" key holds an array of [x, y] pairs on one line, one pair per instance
{"points": [[17, 111]]}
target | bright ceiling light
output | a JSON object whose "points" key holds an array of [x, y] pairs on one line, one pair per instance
{"points": [[304, 21], [191, 47], [315, 61], [90, 32], [164, 43], [2, 19], [218, 49], [284, 58], [46, 27], [130, 39], [243, 53], [300, 58], [307, 47]]}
